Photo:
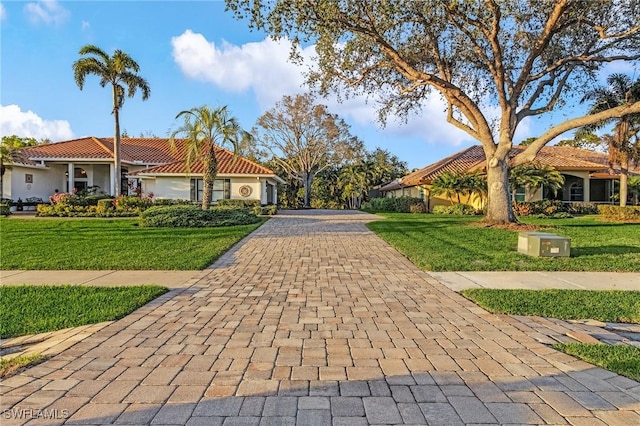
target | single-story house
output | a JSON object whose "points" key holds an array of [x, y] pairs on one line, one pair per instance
{"points": [[587, 176], [149, 165]]}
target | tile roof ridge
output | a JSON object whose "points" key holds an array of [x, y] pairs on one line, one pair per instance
{"points": [[102, 145]]}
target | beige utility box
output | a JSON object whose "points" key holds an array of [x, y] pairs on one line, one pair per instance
{"points": [[543, 244]]}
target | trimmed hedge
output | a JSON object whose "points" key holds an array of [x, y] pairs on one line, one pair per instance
{"points": [[456, 210], [399, 204], [5, 210], [194, 217], [239, 203], [619, 213], [552, 208], [265, 210]]}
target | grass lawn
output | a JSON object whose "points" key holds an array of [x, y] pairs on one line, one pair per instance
{"points": [[9, 367], [623, 360], [111, 244], [606, 306], [38, 309], [448, 243]]}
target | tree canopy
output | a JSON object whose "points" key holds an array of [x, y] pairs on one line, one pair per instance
{"points": [[121, 72], [520, 58], [304, 138]]}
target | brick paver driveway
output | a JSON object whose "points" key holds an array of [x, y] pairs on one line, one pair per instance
{"points": [[314, 320]]}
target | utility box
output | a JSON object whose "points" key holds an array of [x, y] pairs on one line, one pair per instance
{"points": [[543, 244]]}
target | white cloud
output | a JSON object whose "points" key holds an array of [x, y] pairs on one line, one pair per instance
{"points": [[3, 12], [27, 124], [264, 68], [85, 25], [46, 12]]}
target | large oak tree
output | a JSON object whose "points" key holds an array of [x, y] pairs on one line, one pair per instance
{"points": [[520, 58], [304, 138]]}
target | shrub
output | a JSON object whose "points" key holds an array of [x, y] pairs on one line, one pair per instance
{"points": [[541, 207], [265, 210], [132, 203], [399, 204], [195, 217], [239, 203], [5, 210], [104, 205], [619, 213], [582, 208], [171, 202], [456, 209]]}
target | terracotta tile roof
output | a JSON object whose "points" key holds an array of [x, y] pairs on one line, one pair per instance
{"points": [[227, 164], [563, 158], [148, 151], [85, 148]]}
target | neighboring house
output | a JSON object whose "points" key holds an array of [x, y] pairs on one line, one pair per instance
{"points": [[149, 165], [587, 176]]}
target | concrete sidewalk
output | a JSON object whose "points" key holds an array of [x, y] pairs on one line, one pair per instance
{"points": [[456, 281], [169, 279], [540, 280]]}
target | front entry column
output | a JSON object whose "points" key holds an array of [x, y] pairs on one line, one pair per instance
{"points": [[112, 180], [70, 181]]}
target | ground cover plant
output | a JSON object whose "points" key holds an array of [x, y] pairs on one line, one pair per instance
{"points": [[452, 243], [620, 359], [118, 244], [607, 306], [38, 309]]}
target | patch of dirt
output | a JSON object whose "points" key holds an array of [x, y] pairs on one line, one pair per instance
{"points": [[519, 227]]}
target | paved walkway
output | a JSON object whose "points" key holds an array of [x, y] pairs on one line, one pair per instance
{"points": [[315, 320]]}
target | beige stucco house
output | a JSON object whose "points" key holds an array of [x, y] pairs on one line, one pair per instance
{"points": [[587, 176], [149, 165]]}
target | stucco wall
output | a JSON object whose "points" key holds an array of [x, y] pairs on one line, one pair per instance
{"points": [[177, 187], [45, 181]]}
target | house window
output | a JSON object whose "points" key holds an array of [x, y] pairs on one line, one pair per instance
{"points": [[221, 189], [576, 192], [521, 193]]}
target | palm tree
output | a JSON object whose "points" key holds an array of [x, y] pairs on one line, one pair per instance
{"points": [[204, 129], [533, 176], [623, 146], [119, 70]]}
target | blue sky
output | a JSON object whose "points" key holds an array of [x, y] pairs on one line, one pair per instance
{"points": [[192, 53]]}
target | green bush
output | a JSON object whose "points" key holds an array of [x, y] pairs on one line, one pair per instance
{"points": [[171, 202], [399, 204], [5, 210], [239, 203], [265, 210], [619, 213], [456, 210], [104, 205], [195, 217], [132, 203]]}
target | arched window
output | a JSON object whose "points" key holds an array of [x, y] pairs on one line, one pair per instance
{"points": [[576, 192]]}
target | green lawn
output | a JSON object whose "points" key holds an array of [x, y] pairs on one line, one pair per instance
{"points": [[38, 309], [111, 244], [449, 243], [620, 359], [607, 306]]}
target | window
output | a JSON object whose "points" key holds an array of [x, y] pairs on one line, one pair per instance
{"points": [[576, 192], [221, 189], [520, 193]]}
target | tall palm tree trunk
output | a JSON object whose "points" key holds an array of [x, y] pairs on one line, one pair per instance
{"points": [[210, 165], [116, 145]]}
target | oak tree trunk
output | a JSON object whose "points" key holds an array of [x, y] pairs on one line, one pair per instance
{"points": [[499, 207]]}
